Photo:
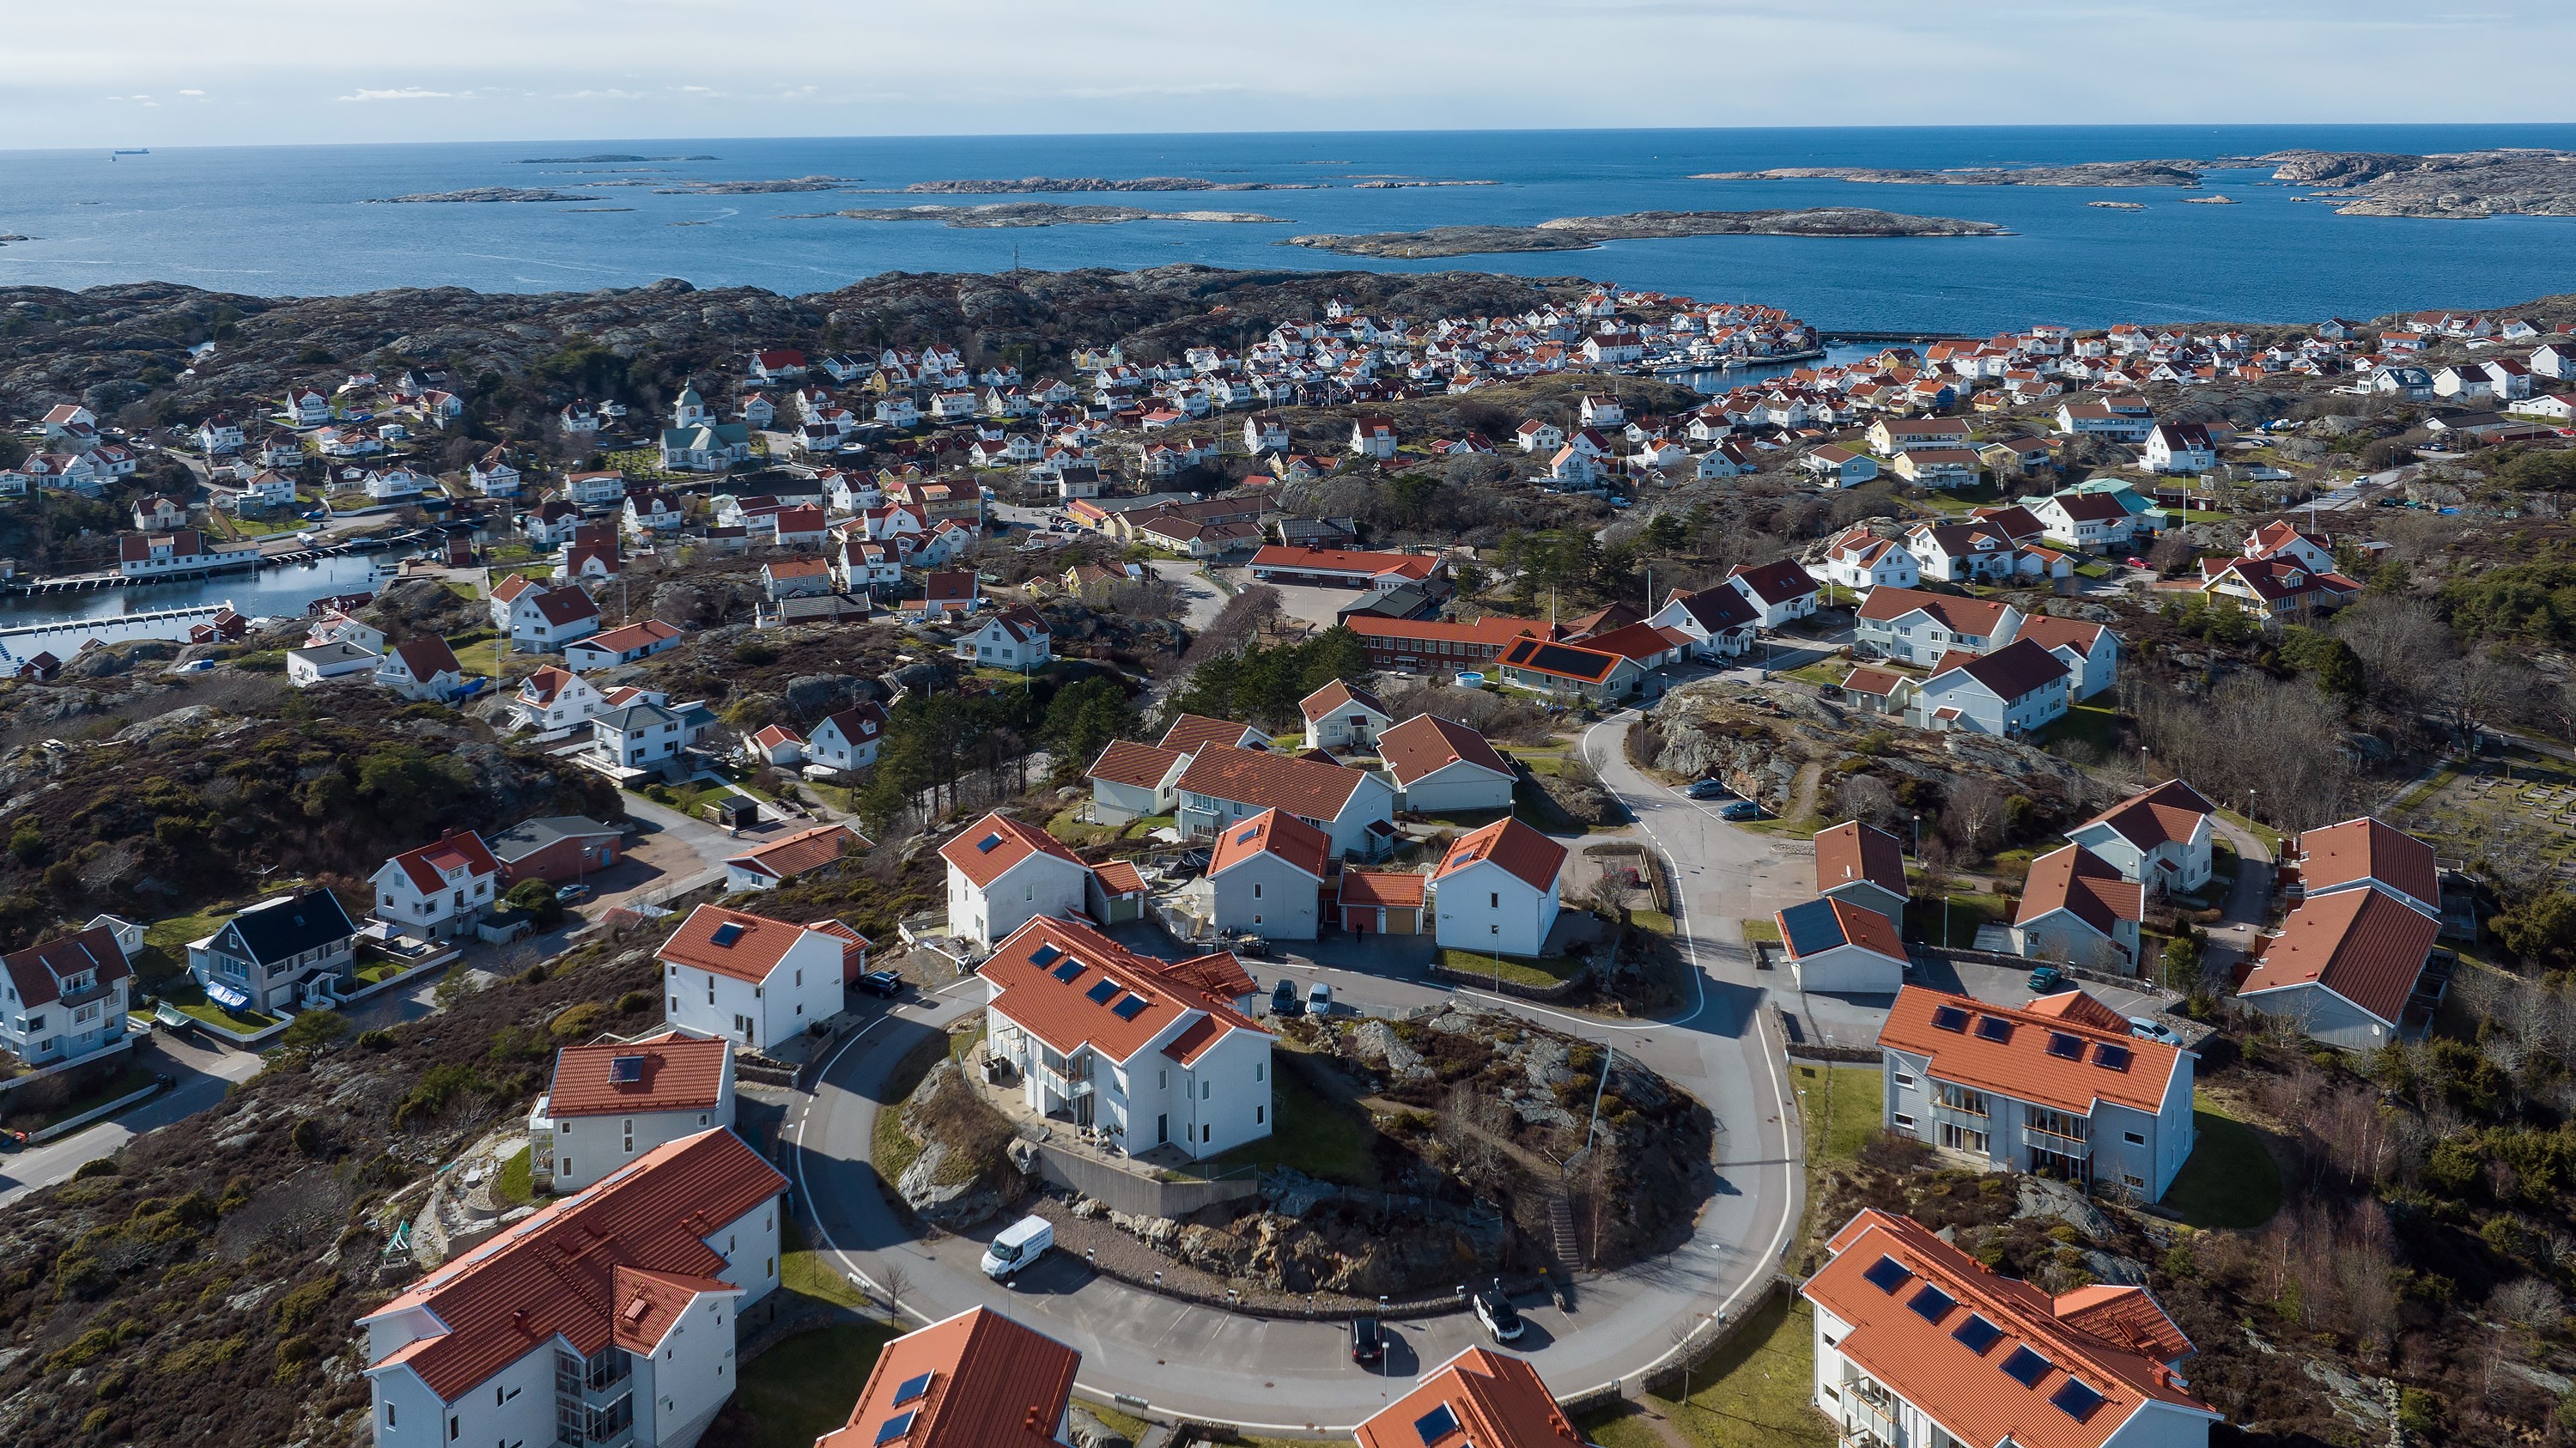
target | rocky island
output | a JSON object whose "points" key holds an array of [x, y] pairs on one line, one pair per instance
{"points": [[755, 188], [1042, 185], [2461, 186], [479, 194], [1582, 233], [2086, 173], [602, 160], [1039, 213]]}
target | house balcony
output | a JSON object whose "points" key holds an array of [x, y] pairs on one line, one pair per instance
{"points": [[93, 992], [1868, 1420], [2044, 1140]]}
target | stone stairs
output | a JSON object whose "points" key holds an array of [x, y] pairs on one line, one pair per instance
{"points": [[1560, 1222]]}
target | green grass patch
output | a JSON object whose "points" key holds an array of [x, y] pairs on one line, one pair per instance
{"points": [[2093, 568], [2270, 837], [1824, 673], [1654, 920], [1957, 927], [1066, 826], [1842, 1105], [1766, 930], [806, 1386], [2091, 723], [808, 1273], [381, 969], [514, 1189], [1310, 1132], [189, 996], [2230, 1180], [1518, 969], [1753, 1392], [128, 1080]]}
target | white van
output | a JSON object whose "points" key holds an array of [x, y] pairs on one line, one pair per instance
{"points": [[1019, 1244]]}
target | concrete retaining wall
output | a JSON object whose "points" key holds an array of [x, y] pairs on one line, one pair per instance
{"points": [[71, 1124], [1130, 1192], [1556, 992]]}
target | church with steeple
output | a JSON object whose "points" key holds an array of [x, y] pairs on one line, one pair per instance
{"points": [[696, 443]]}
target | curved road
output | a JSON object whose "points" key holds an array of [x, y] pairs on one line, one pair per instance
{"points": [[1295, 1377]]}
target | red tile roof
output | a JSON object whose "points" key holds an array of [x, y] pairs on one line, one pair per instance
{"points": [[1853, 851], [558, 1272], [1339, 697], [987, 849], [756, 949], [991, 1383], [1490, 632], [1143, 766], [559, 606], [1810, 930], [1118, 877], [787, 858], [428, 865], [1395, 889], [1427, 742], [1979, 617], [1065, 982], [2364, 945], [1492, 1400], [2128, 1316], [1524, 853], [1878, 683], [1293, 559], [2020, 1065], [38, 970], [2365, 849], [2082, 883], [1639, 641], [1303, 787], [2170, 813], [1273, 833], [1192, 732], [2017, 669], [2051, 632], [1918, 1355], [675, 1072], [2080, 1007]]}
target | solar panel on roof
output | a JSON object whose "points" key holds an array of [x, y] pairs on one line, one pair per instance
{"points": [[1949, 1018], [1887, 1274], [1931, 1304], [986, 845], [2069, 1047], [727, 933], [894, 1427], [1246, 837], [1130, 1008], [1069, 969], [1101, 990], [2076, 1399], [913, 1389], [2025, 1367], [1976, 1334], [623, 1069], [1435, 1425], [1044, 956], [2110, 1057], [1994, 1028]]}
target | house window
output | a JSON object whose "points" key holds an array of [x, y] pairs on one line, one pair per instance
{"points": [[1904, 1122], [1257, 1112], [1258, 1067], [1256, 890], [2133, 1181], [2136, 1138], [1904, 1082]]}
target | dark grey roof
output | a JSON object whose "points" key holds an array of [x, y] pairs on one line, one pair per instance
{"points": [[527, 837], [275, 930]]}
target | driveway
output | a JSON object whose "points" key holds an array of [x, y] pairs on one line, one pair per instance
{"points": [[204, 1074], [1294, 1377], [2248, 905], [1201, 600]]}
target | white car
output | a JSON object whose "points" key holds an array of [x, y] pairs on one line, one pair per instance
{"points": [[2148, 1028], [1499, 1317], [1319, 999]]}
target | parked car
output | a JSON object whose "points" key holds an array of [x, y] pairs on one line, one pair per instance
{"points": [[1319, 998], [1708, 789], [196, 666], [884, 983], [2148, 1028], [1283, 999], [2134, 561], [1368, 1341], [572, 894], [1498, 1315], [1019, 1244], [1742, 809], [2045, 979]]}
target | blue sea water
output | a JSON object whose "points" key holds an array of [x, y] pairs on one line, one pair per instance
{"points": [[292, 220]]}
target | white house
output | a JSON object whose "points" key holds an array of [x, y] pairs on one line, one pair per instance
{"points": [[422, 669], [1266, 876], [1017, 638], [2077, 908], [1916, 627], [1339, 716], [2090, 651], [1780, 591], [847, 739], [1720, 622], [2090, 521], [1130, 781], [545, 1333], [1864, 865], [291, 951], [1443, 767], [1003, 874], [2058, 1086], [2159, 838], [1495, 890], [439, 890], [64, 999], [755, 980], [1222, 785], [2012, 691], [638, 640], [492, 475], [306, 667], [556, 698], [1840, 466], [774, 745], [611, 1103], [1152, 1055], [1860, 560], [543, 620], [1837, 946], [643, 734]]}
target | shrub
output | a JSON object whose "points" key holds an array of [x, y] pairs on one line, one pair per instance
{"points": [[576, 1022], [300, 1303], [377, 1040], [99, 1167], [633, 1001], [313, 1030]]}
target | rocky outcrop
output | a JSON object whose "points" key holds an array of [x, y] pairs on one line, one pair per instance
{"points": [[1046, 213], [1582, 233], [2089, 173], [1042, 185], [967, 1171], [2460, 186]]}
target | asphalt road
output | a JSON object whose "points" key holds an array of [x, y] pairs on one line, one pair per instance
{"points": [[1292, 1377], [204, 1074]]}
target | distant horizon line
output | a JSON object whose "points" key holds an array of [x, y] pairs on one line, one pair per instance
{"points": [[2176, 127]]}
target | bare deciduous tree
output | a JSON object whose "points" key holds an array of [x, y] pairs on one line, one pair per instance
{"points": [[1973, 812]]}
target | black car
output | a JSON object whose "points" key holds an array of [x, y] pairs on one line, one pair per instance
{"points": [[1368, 1341], [1283, 999], [882, 983]]}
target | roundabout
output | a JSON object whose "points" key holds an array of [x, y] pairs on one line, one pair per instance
{"points": [[1157, 1355]]}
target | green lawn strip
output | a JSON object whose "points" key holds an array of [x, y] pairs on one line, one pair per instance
{"points": [[2270, 837], [805, 1386], [189, 996], [128, 1080], [809, 1273], [1654, 920], [1520, 969], [1966, 912], [1824, 672], [381, 969], [514, 1188], [1764, 928], [1070, 829], [2092, 723], [1755, 1391], [1842, 1106], [1334, 1141], [2230, 1180]]}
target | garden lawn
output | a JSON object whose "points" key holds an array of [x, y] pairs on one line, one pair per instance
{"points": [[1066, 827], [1842, 1107], [1519, 969], [809, 1273], [1753, 1392], [1965, 914], [1763, 930], [806, 1386], [1334, 1141], [514, 1189], [2231, 1180], [2091, 723]]}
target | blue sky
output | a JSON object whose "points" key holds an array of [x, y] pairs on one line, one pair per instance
{"points": [[176, 72]]}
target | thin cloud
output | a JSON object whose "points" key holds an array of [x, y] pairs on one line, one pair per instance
{"points": [[408, 93]]}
